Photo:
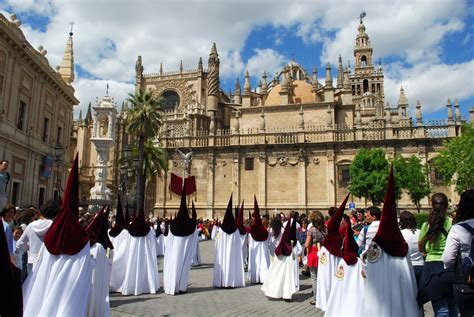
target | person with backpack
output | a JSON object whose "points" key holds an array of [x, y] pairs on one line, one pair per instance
{"points": [[459, 250], [436, 283]]}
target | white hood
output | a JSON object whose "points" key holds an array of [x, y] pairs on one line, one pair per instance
{"points": [[41, 226]]}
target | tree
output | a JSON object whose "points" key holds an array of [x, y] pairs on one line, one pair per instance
{"points": [[413, 178], [456, 161], [369, 173], [143, 121]]}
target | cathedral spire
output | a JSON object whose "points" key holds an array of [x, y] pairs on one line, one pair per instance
{"points": [[66, 70], [340, 75], [247, 87], [237, 87], [265, 84], [314, 79], [328, 75], [200, 64]]}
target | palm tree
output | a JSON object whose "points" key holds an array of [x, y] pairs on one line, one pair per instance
{"points": [[143, 121]]}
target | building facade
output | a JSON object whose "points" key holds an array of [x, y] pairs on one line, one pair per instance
{"points": [[36, 115]]}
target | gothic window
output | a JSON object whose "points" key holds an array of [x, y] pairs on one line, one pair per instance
{"points": [[344, 176], [435, 176], [378, 88], [171, 100], [366, 85], [353, 90], [373, 88], [363, 60], [249, 163]]}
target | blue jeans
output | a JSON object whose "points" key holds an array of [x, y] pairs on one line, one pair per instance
{"points": [[445, 307]]}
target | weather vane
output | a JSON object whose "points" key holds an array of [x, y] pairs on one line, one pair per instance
{"points": [[72, 24], [362, 15], [107, 90]]}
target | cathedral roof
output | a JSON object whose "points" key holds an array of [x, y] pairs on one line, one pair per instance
{"points": [[301, 92]]}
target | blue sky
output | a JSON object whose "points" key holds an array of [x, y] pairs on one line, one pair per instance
{"points": [[426, 46]]}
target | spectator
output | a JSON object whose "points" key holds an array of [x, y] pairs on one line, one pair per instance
{"points": [[411, 235], [460, 239], [4, 179], [8, 213], [372, 218], [17, 253], [315, 236], [433, 286]]}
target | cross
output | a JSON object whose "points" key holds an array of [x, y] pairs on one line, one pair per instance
{"points": [[72, 24]]}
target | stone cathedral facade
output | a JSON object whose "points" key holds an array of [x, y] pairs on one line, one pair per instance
{"points": [[289, 141]]}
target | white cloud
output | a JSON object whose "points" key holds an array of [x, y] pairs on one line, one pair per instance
{"points": [[267, 60]]}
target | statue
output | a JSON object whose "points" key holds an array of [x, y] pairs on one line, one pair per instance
{"points": [[186, 158]]}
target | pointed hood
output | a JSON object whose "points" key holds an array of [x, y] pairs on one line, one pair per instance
{"points": [[93, 227], [127, 216], [119, 224], [389, 236], [257, 230], [239, 223], [228, 224], [292, 235], [158, 231], [139, 227], [97, 229], [333, 241], [10, 275], [66, 235], [284, 247], [350, 248], [182, 225]]}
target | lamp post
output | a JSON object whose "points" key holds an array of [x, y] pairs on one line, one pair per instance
{"points": [[124, 169], [58, 151]]}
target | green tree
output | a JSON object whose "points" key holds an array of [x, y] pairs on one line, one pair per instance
{"points": [[369, 172], [456, 161], [413, 177], [143, 121]]}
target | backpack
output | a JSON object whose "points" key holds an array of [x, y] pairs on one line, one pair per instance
{"points": [[464, 276]]}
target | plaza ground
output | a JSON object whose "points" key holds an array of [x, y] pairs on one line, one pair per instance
{"points": [[204, 300]]}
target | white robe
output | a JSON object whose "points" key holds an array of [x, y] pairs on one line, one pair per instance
{"points": [[327, 266], [99, 304], [196, 261], [297, 250], [214, 231], [177, 262], [228, 263], [160, 245], [119, 261], [280, 282], [59, 285], [390, 287], [244, 240], [259, 261], [347, 291], [141, 275]]}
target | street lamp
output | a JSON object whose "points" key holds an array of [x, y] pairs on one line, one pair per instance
{"points": [[58, 152]]}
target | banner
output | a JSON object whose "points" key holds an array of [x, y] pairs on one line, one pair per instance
{"points": [[176, 184], [47, 166]]}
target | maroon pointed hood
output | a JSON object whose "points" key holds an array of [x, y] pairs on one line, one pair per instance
{"points": [[93, 227], [182, 225], [350, 248], [239, 223], [228, 224], [257, 230], [66, 235], [158, 231], [284, 247], [119, 224], [127, 216], [10, 277], [103, 237], [333, 240], [139, 227], [388, 236]]}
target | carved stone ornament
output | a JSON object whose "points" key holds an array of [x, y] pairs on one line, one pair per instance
{"points": [[184, 89], [223, 163], [316, 160], [283, 160], [175, 163]]}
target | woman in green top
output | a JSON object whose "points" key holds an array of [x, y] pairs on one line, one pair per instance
{"points": [[435, 283]]}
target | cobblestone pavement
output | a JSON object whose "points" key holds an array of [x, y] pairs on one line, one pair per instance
{"points": [[204, 300]]}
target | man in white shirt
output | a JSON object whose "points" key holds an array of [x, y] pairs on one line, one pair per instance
{"points": [[372, 217]]}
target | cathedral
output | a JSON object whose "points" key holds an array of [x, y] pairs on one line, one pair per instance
{"points": [[290, 141]]}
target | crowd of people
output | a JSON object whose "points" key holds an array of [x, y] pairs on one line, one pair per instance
{"points": [[393, 267]]}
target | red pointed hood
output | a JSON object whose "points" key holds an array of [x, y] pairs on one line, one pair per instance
{"points": [[139, 227], [350, 248], [388, 236], [239, 223], [257, 230], [66, 235], [119, 224], [228, 224], [10, 277], [93, 227], [182, 225], [284, 247], [333, 241]]}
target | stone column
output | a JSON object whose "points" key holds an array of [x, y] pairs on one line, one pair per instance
{"points": [[331, 177], [236, 177], [210, 186], [262, 181], [303, 192]]}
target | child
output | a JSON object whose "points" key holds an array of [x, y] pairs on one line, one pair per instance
{"points": [[17, 253]]}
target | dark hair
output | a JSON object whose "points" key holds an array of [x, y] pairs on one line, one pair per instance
{"points": [[50, 209], [27, 216], [317, 219], [346, 218], [436, 219], [466, 205], [407, 221], [357, 227], [375, 211], [6, 209], [332, 211], [276, 226]]}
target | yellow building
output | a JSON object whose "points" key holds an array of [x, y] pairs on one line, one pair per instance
{"points": [[36, 111]]}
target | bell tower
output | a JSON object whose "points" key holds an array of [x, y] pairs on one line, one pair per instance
{"points": [[363, 50]]}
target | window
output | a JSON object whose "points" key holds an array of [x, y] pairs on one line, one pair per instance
{"points": [[20, 122], [436, 177], [363, 60], [45, 129], [366, 85], [59, 136], [249, 163], [344, 175], [171, 100], [15, 193], [41, 195]]}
